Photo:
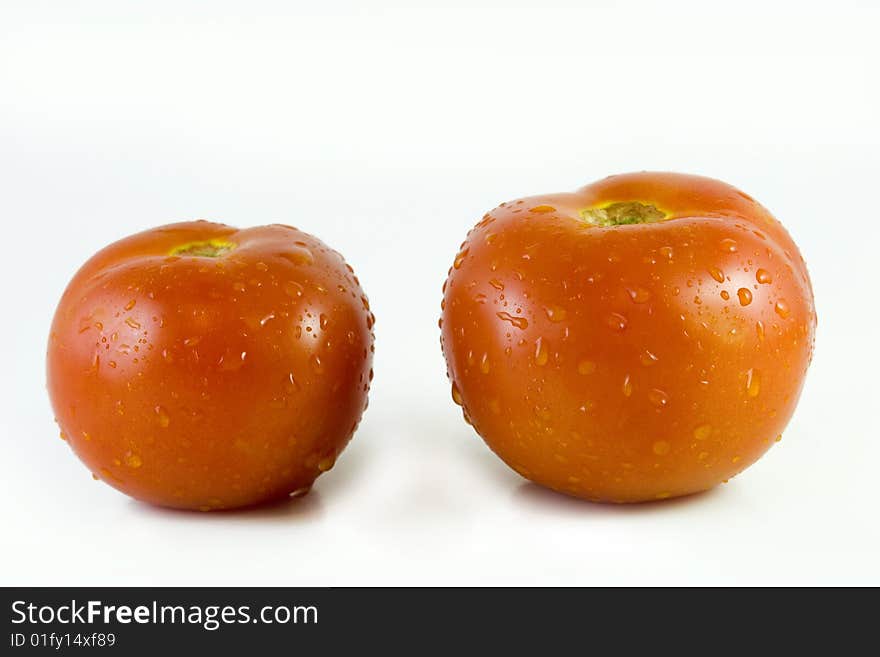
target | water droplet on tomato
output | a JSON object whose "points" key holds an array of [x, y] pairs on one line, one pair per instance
{"points": [[162, 418], [456, 394], [586, 367], [658, 398], [753, 383], [660, 448], [648, 358], [744, 295], [703, 431], [638, 294], [541, 354], [519, 322], [293, 289], [616, 322], [555, 313], [763, 276]]}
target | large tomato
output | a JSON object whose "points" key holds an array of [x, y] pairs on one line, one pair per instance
{"points": [[199, 366], [644, 337]]}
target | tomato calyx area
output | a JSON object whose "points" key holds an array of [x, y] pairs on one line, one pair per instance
{"points": [[623, 213], [213, 248]]}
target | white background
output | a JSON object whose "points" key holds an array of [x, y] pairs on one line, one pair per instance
{"points": [[387, 129]]}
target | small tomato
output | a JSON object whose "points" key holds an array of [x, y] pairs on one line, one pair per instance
{"points": [[203, 367]]}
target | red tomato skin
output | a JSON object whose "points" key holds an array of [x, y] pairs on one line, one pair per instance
{"points": [[633, 362], [211, 382]]}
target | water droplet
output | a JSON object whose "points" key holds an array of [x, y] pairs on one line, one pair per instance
{"points": [[162, 417], [660, 448], [627, 387], [541, 354], [744, 295], [293, 289], [586, 367], [238, 286], [753, 383], [648, 358], [725, 295], [326, 463], [782, 308], [130, 321], [759, 329], [299, 256], [717, 274], [519, 322], [666, 252], [317, 365], [484, 364], [658, 398], [616, 322], [555, 313], [763, 276], [736, 459], [728, 245], [638, 294], [299, 492], [265, 320], [460, 258], [262, 266], [323, 321], [542, 209], [456, 395], [130, 304], [133, 460], [498, 285], [703, 431]]}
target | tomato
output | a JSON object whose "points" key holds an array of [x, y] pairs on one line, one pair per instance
{"points": [[199, 366], [644, 337]]}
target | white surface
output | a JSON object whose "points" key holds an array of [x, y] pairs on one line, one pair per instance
{"points": [[388, 130]]}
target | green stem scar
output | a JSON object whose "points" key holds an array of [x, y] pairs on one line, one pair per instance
{"points": [[623, 213], [205, 248]]}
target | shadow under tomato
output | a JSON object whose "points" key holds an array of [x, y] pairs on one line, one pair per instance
{"points": [[544, 499]]}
